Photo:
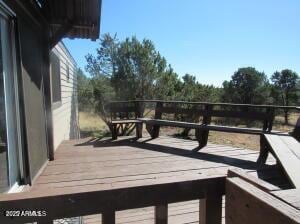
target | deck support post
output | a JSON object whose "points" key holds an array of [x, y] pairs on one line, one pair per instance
{"points": [[114, 132], [263, 154], [155, 131], [202, 137], [109, 217], [158, 114], [161, 214], [296, 131], [210, 210], [139, 130]]}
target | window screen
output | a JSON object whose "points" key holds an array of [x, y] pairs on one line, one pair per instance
{"points": [[55, 78]]}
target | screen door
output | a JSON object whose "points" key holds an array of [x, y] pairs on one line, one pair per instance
{"points": [[9, 119]]}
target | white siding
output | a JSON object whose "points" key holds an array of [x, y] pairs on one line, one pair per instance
{"points": [[65, 116]]}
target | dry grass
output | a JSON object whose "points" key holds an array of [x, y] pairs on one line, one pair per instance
{"points": [[236, 140], [91, 124], [231, 139], [251, 141], [279, 122]]}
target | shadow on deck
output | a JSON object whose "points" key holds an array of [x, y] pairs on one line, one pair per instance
{"points": [[217, 157]]}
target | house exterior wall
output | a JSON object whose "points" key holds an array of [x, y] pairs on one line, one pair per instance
{"points": [[42, 125], [65, 114]]}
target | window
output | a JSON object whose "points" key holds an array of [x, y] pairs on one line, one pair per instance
{"points": [[55, 79], [68, 73]]}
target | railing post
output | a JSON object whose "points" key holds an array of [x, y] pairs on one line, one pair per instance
{"points": [[161, 214], [268, 122], [207, 117], [271, 119], [109, 217], [139, 109], [210, 211]]}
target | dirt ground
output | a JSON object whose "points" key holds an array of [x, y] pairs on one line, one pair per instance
{"points": [[92, 125]]}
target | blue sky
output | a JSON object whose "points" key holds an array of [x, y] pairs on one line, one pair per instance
{"points": [[207, 38]]}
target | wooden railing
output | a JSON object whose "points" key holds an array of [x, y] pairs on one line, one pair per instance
{"points": [[194, 110], [88, 200], [138, 106], [209, 103]]}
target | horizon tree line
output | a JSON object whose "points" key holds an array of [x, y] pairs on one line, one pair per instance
{"points": [[133, 69]]}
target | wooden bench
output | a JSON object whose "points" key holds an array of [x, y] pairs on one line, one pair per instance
{"points": [[296, 131], [259, 183], [286, 150], [252, 200], [247, 204], [207, 111], [290, 196], [123, 118]]}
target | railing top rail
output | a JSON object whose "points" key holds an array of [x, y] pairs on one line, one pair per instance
{"points": [[209, 103], [87, 200]]}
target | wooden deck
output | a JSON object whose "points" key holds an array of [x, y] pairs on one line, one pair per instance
{"points": [[89, 162], [126, 162]]}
